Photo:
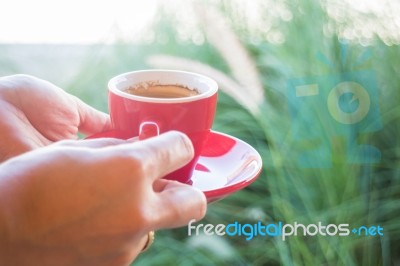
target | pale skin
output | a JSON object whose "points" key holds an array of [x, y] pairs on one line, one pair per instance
{"points": [[81, 202]]}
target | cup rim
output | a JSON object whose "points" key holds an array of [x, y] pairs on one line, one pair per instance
{"points": [[213, 88]]}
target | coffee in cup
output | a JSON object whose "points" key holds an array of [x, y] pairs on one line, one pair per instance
{"points": [[161, 91]]}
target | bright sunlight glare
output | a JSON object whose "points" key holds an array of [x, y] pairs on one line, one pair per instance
{"points": [[74, 21]]}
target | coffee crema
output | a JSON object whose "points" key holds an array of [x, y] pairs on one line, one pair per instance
{"points": [[162, 91]]}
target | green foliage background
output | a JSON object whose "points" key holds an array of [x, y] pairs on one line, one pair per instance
{"points": [[346, 193]]}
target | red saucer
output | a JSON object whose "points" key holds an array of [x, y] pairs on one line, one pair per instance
{"points": [[226, 165]]}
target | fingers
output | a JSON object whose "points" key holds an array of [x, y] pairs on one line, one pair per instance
{"points": [[172, 204], [177, 204], [162, 154], [91, 120], [92, 143]]}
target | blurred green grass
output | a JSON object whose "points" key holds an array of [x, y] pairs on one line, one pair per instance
{"points": [[345, 193]]}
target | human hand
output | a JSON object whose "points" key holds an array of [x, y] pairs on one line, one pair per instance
{"points": [[35, 113], [93, 202]]}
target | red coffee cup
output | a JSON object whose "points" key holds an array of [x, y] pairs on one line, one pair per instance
{"points": [[143, 116]]}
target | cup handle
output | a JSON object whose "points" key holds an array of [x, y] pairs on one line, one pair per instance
{"points": [[148, 129]]}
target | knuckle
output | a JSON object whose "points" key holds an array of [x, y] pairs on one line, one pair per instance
{"points": [[143, 218], [138, 218], [123, 159], [161, 155], [186, 143], [129, 169]]}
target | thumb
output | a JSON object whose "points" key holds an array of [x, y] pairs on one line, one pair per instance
{"points": [[177, 204], [91, 120]]}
